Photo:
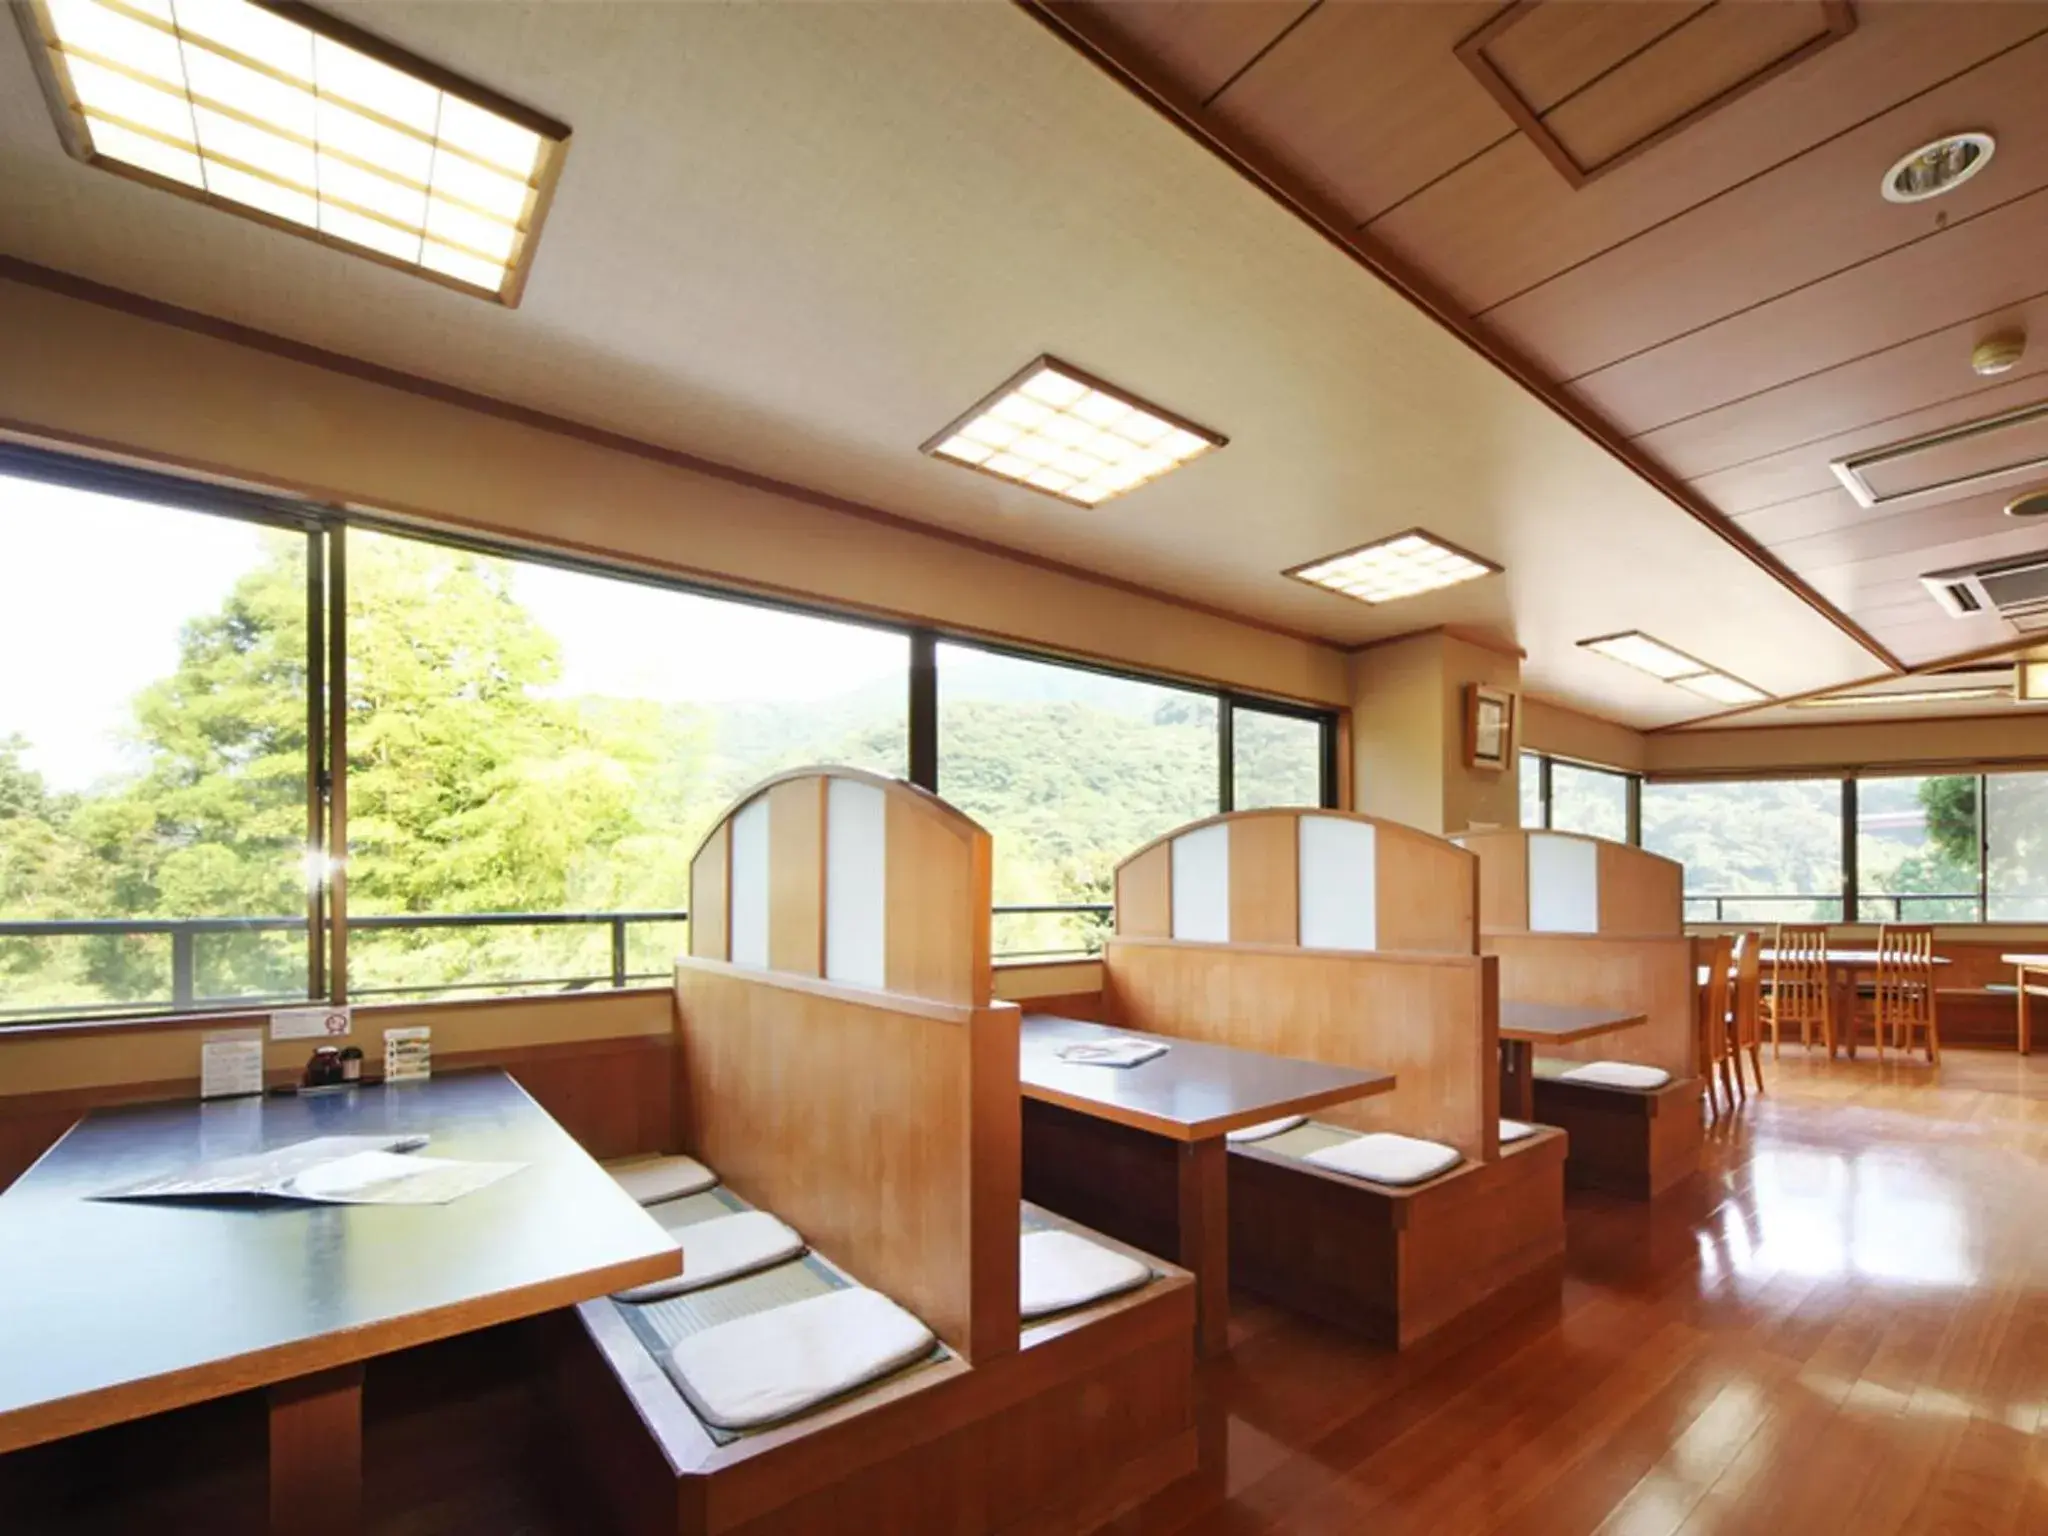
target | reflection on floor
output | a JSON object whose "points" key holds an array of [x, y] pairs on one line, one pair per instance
{"points": [[1842, 1326]]}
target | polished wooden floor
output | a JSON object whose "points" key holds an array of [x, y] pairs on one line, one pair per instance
{"points": [[1842, 1325]]}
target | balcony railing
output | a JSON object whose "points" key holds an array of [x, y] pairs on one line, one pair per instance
{"points": [[1910, 906], [1085, 924]]}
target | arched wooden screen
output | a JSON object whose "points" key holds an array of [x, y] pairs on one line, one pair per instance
{"points": [[849, 877], [1308, 879], [1562, 882], [841, 1063]]}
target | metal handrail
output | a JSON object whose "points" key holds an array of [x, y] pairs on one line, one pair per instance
{"points": [[1898, 899], [184, 932]]}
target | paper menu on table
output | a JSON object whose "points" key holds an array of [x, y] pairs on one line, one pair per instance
{"points": [[1119, 1052], [231, 1063], [331, 1170]]}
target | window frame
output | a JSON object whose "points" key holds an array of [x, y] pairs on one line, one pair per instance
{"points": [[1545, 764], [326, 527]]}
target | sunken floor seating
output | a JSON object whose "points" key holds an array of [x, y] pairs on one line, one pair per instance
{"points": [[871, 1331]]}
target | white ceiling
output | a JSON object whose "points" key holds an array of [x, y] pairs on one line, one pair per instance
{"points": [[801, 238]]}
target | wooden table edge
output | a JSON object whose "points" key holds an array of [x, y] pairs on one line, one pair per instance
{"points": [[1573, 1036], [1216, 1125], [122, 1402]]}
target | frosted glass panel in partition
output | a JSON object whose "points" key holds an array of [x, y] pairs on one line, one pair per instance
{"points": [[856, 844], [1339, 884], [1201, 885], [1564, 884], [750, 884]]}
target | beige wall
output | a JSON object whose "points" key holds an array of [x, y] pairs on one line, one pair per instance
{"points": [[68, 1058], [1408, 731], [80, 373], [2007, 741], [1565, 732]]}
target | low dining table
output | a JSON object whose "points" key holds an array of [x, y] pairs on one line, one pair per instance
{"points": [[2032, 981], [1526, 1025], [1192, 1096], [112, 1310]]}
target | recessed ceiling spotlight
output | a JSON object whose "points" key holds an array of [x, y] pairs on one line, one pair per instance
{"points": [[296, 120], [1052, 428], [1940, 167], [2032, 503], [1918, 696], [1405, 565], [1998, 354], [1668, 664]]}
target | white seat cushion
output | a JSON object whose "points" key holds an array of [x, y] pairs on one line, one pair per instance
{"points": [[651, 1180], [1616, 1074], [772, 1365], [723, 1248], [1063, 1269], [1386, 1158], [1516, 1130], [1265, 1128]]}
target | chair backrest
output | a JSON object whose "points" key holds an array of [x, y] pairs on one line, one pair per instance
{"points": [[1905, 947], [1749, 987], [1720, 957], [1799, 970]]}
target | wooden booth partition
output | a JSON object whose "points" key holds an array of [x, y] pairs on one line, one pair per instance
{"points": [[1346, 939], [1583, 923], [842, 1064]]}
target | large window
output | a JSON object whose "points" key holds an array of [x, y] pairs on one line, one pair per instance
{"points": [[1917, 845], [2016, 847], [1276, 759], [1574, 797], [210, 698], [529, 740], [154, 757], [1757, 851], [1070, 770]]}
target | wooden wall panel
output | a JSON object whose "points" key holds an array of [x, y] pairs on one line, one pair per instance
{"points": [[1641, 894], [937, 928], [1653, 976], [1503, 881], [883, 1129], [710, 896], [796, 876], [1144, 894], [1429, 1020], [1428, 893], [1265, 876]]}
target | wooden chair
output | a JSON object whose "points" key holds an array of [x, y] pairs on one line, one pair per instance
{"points": [[1747, 1034], [1905, 988], [1713, 1021], [1800, 993]]}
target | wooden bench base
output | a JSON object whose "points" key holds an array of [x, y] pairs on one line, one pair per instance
{"points": [[1397, 1264], [1638, 1144], [1093, 1415]]}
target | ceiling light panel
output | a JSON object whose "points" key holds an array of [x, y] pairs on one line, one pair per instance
{"points": [[1406, 565], [299, 121], [1669, 665], [1922, 696], [1055, 429]]}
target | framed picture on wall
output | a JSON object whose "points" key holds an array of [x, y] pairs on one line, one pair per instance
{"points": [[1489, 727]]}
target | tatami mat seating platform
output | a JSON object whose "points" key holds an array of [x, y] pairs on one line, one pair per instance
{"points": [[843, 1070], [1344, 939], [1583, 922]]}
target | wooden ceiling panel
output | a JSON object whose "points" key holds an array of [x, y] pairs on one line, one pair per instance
{"points": [[1968, 269], [1803, 471], [1938, 636], [1723, 49], [1553, 51], [1199, 44], [1367, 103], [1784, 521], [1863, 579], [1818, 216], [1880, 535], [1454, 229], [1925, 372]]}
